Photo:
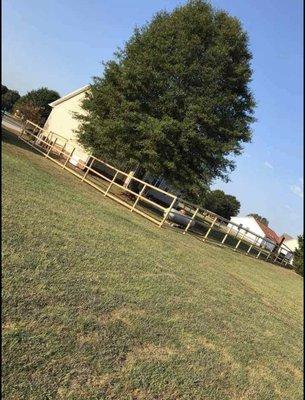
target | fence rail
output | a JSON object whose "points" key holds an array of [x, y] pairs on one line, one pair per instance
{"points": [[196, 221], [47, 144]]}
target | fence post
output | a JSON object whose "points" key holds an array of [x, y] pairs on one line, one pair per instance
{"points": [[238, 243], [138, 198], [253, 244], [190, 221], [226, 235], [50, 148], [113, 179], [23, 129], [62, 150], [277, 256], [39, 133], [88, 169], [70, 155], [209, 230], [49, 137], [259, 253], [168, 211]]}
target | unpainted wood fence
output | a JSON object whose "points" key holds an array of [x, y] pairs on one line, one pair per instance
{"points": [[202, 224]]}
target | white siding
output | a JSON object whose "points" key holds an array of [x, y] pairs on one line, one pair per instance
{"points": [[249, 223], [62, 122], [252, 225], [292, 244]]}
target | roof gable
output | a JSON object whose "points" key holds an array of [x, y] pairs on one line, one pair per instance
{"points": [[270, 234], [286, 236], [69, 96]]}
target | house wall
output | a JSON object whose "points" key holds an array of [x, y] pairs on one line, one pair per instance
{"points": [[252, 225], [62, 122], [292, 244]]}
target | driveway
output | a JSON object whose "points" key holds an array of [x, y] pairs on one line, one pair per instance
{"points": [[10, 124]]}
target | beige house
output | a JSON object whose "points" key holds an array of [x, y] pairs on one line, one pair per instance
{"points": [[257, 232], [62, 122], [290, 243]]}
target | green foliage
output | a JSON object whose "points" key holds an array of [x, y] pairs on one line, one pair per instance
{"points": [[36, 102], [259, 218], [8, 98], [4, 89], [221, 203], [28, 110], [176, 98], [298, 259]]}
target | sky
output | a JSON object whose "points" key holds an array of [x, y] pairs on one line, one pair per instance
{"points": [[62, 44]]}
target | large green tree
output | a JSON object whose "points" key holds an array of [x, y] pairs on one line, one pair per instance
{"points": [[8, 98], [298, 259], [36, 102], [4, 89], [221, 203], [176, 98]]}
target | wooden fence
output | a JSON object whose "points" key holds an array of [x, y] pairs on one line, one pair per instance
{"points": [[141, 197], [206, 225], [97, 173]]}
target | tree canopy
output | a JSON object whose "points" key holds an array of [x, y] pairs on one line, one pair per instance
{"points": [[176, 98], [35, 104], [4, 89], [8, 98], [221, 203], [298, 260], [259, 218]]}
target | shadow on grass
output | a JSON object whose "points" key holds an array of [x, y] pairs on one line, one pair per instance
{"points": [[12, 139]]}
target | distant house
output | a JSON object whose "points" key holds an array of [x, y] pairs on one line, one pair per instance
{"points": [[290, 243], [61, 121], [268, 238]]}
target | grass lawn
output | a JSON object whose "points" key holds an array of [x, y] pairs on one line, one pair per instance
{"points": [[98, 303]]}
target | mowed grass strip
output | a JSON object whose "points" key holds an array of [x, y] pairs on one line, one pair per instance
{"points": [[98, 303]]}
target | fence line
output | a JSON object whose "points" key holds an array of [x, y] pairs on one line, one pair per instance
{"points": [[195, 221]]}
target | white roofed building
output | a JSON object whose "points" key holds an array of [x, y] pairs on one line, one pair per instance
{"points": [[62, 121]]}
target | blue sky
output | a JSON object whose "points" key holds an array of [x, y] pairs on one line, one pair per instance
{"points": [[61, 44]]}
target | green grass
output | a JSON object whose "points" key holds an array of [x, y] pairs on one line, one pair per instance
{"points": [[98, 303]]}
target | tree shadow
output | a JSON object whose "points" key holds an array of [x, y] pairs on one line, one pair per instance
{"points": [[13, 139]]}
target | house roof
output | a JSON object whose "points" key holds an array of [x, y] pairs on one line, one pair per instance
{"points": [[269, 233], [69, 95]]}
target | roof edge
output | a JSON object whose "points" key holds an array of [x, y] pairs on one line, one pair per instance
{"points": [[270, 233], [69, 95]]}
